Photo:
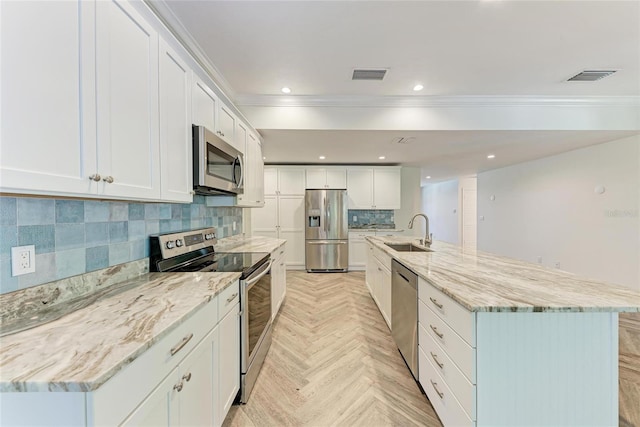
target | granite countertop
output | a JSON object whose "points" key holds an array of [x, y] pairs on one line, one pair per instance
{"points": [[93, 326], [351, 230], [82, 349], [249, 244], [485, 282]]}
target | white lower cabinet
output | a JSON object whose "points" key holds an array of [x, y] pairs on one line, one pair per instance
{"points": [[190, 377], [186, 396], [358, 249], [278, 280]]}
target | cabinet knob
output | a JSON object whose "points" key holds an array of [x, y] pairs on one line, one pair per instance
{"points": [[187, 377], [108, 179], [178, 387], [95, 177]]}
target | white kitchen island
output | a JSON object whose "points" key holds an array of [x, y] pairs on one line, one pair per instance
{"points": [[507, 343]]}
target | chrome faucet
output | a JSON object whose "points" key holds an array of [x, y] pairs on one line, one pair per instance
{"points": [[427, 236]]}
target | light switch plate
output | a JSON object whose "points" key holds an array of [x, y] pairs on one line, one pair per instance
{"points": [[23, 260]]}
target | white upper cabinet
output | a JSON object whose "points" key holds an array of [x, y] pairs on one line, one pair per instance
{"points": [[47, 137], [374, 188], [360, 188], [205, 105], [175, 126], [386, 188], [253, 195], [284, 180], [333, 178], [127, 102], [227, 127]]}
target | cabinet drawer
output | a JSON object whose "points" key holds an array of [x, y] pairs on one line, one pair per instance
{"points": [[459, 384], [458, 350], [443, 400], [459, 318], [229, 297], [382, 257], [116, 398]]}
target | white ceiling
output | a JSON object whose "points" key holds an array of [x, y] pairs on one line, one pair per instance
{"points": [[454, 48]]}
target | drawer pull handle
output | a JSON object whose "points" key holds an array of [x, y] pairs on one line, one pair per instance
{"points": [[435, 302], [181, 344], [435, 387], [435, 330], [435, 359], [187, 377], [178, 387], [232, 297]]}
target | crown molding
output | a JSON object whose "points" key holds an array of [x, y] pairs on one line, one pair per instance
{"points": [[162, 10], [435, 101]]}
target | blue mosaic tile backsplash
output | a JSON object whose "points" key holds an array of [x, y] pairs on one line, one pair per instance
{"points": [[370, 217], [78, 236]]}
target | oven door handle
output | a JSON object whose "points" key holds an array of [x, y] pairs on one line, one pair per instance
{"points": [[249, 283]]}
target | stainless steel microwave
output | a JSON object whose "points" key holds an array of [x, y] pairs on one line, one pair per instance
{"points": [[217, 166]]}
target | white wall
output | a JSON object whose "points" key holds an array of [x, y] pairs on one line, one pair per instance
{"points": [[410, 200], [440, 204], [548, 208]]}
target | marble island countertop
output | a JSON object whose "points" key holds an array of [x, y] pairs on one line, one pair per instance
{"points": [[249, 244], [82, 349], [485, 282]]}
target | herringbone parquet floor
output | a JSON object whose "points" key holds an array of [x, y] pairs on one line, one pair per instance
{"points": [[332, 363]]}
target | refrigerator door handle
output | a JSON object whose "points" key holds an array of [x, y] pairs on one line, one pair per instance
{"points": [[328, 216], [325, 242]]}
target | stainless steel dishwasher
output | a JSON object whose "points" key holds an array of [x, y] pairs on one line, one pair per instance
{"points": [[404, 314]]}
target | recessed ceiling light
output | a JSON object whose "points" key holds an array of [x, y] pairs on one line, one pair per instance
{"points": [[382, 157], [286, 90], [264, 158], [321, 157], [418, 87], [428, 176], [491, 156]]}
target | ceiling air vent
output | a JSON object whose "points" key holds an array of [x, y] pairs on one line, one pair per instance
{"points": [[368, 74], [591, 75], [403, 140]]}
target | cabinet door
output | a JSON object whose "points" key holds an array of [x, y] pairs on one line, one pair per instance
{"points": [[370, 275], [258, 168], [316, 178], [270, 181], [248, 172], [227, 126], [161, 407], [204, 103], [358, 249], [291, 181], [360, 188], [336, 178], [387, 189], [385, 294], [47, 105], [291, 227], [199, 379], [176, 159], [266, 219], [127, 102], [229, 366]]}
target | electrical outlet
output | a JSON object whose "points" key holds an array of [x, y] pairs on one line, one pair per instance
{"points": [[355, 218], [557, 264], [23, 260], [539, 260], [234, 226]]}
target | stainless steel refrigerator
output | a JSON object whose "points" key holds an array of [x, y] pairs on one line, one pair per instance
{"points": [[326, 230]]}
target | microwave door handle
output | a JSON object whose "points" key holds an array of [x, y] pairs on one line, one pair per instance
{"points": [[238, 163], [241, 163], [249, 283]]}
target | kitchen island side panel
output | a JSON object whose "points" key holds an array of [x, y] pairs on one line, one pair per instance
{"points": [[547, 369]]}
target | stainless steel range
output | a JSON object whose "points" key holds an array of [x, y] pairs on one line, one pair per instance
{"points": [[191, 251]]}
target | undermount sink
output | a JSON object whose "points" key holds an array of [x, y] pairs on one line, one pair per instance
{"points": [[407, 247]]}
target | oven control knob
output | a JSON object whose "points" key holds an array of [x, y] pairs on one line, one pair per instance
{"points": [[170, 244], [178, 242], [209, 236]]}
